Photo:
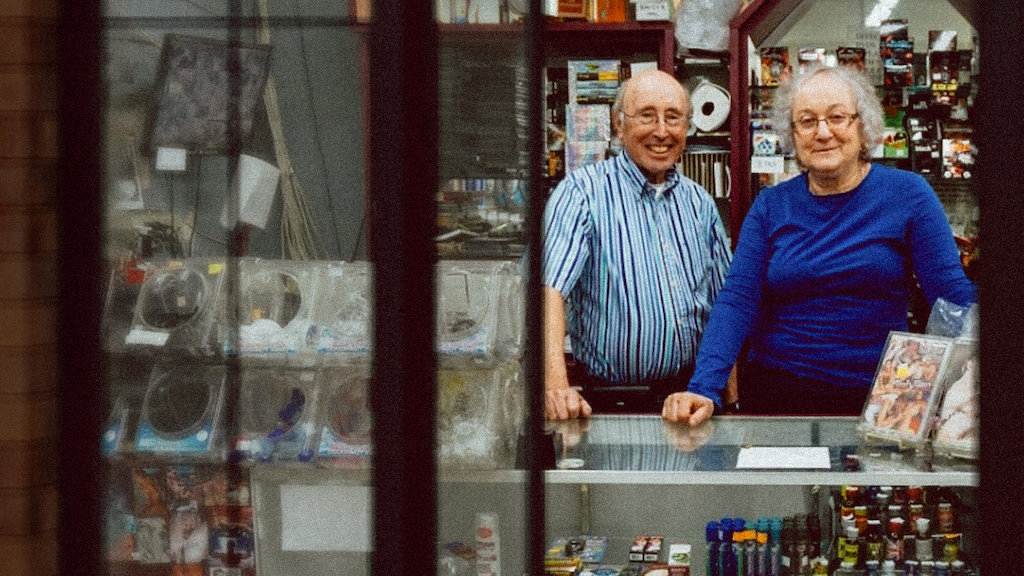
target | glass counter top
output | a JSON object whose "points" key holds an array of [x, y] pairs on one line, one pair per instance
{"points": [[645, 449]]}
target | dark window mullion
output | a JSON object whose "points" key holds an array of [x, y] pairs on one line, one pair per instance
{"points": [[403, 177], [535, 527]]}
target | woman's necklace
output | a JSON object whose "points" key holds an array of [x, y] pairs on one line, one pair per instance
{"points": [[817, 190]]}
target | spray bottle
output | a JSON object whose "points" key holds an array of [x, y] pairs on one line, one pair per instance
{"points": [[711, 546], [775, 546], [762, 546], [488, 545]]}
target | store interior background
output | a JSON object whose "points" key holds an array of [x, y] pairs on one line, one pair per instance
{"points": [[28, 222], [318, 81]]}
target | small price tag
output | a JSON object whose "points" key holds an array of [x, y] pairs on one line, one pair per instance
{"points": [[653, 10], [146, 337], [767, 164]]}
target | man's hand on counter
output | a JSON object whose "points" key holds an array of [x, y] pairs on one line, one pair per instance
{"points": [[565, 403], [687, 408]]}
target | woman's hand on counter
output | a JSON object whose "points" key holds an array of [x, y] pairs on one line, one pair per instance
{"points": [[688, 438], [687, 408]]}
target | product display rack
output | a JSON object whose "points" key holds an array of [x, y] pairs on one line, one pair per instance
{"points": [[707, 156], [484, 110], [756, 23]]}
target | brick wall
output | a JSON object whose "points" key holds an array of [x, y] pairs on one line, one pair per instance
{"points": [[28, 287]]}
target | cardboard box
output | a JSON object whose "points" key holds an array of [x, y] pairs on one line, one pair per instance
{"points": [[652, 551], [608, 10]]}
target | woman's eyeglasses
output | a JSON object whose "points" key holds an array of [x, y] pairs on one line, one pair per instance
{"points": [[836, 121]]}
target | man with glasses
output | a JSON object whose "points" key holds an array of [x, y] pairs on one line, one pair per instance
{"points": [[824, 264], [634, 256]]}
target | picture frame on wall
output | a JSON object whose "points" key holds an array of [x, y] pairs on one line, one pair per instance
{"points": [[196, 97]]}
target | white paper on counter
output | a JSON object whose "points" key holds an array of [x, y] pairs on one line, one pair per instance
{"points": [[783, 457]]}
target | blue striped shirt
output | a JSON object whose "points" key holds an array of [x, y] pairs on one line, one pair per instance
{"points": [[639, 270]]}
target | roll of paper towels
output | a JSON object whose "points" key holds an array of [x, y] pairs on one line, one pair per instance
{"points": [[710, 106]]}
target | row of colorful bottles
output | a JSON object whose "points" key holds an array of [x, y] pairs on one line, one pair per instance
{"points": [[769, 546], [883, 529], [908, 502]]}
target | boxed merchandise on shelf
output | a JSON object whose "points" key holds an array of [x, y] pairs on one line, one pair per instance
{"points": [[275, 302], [277, 415], [178, 308], [479, 417]]}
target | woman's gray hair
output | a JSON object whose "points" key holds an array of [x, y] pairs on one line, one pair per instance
{"points": [[869, 108]]}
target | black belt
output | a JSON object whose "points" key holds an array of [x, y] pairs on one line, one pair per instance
{"points": [[617, 397]]}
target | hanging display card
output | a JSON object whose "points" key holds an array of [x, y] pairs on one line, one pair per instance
{"points": [[774, 64], [593, 81], [852, 56]]}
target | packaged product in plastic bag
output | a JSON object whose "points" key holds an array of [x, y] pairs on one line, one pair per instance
{"points": [[704, 24], [952, 320]]}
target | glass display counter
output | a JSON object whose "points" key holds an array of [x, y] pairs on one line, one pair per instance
{"points": [[619, 476]]}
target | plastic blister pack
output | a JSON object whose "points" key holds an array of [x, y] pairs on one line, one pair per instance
{"points": [[479, 416], [345, 423], [275, 300], [119, 304], [178, 307], [957, 424], [906, 389], [952, 320], [276, 415], [181, 412], [129, 377], [115, 430], [477, 313], [343, 314], [704, 24]]}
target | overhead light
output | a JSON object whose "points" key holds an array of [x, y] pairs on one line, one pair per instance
{"points": [[881, 11]]}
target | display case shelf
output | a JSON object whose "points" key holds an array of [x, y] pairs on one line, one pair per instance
{"points": [[594, 40], [645, 450]]}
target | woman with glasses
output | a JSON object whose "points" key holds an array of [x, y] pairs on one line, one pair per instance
{"points": [[824, 264]]}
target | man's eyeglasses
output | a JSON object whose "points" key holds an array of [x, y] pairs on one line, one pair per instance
{"points": [[836, 121], [648, 117]]}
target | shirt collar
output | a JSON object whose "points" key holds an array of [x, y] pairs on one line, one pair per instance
{"points": [[633, 174]]}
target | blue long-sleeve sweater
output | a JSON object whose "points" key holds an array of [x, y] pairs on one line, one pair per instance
{"points": [[817, 282]]}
